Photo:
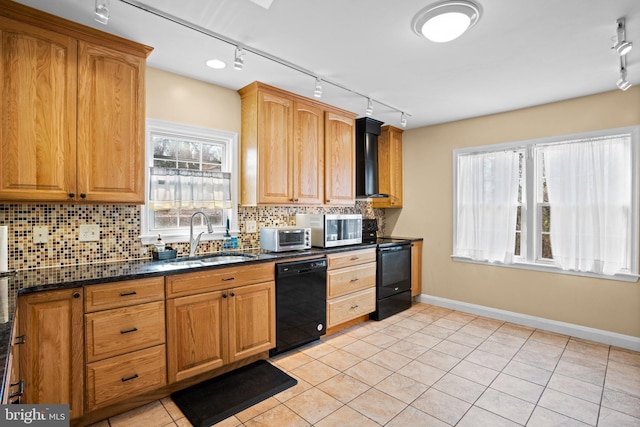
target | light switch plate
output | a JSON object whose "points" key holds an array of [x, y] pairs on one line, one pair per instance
{"points": [[250, 226], [40, 234], [89, 233]]}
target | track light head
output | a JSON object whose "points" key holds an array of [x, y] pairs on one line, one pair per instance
{"points": [[238, 62], [622, 83], [622, 46], [369, 107], [403, 120], [102, 11], [317, 92]]}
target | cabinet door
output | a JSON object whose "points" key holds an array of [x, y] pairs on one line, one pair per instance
{"points": [[38, 110], [196, 334], [52, 357], [252, 321], [416, 268], [274, 142], [110, 125], [308, 154], [389, 168], [340, 153]]}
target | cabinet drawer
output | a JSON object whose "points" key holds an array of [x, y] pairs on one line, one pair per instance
{"points": [[113, 332], [347, 259], [350, 279], [121, 377], [345, 308], [213, 280], [123, 294]]}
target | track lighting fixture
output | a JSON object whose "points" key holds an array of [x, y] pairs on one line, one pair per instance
{"points": [[403, 120], [622, 46], [369, 107], [317, 92], [622, 83], [240, 50], [102, 11], [238, 62]]}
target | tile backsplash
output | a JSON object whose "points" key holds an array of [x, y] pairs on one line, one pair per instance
{"points": [[120, 231]]}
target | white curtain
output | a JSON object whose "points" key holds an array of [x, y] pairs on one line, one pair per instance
{"points": [[190, 189], [589, 189], [487, 202]]}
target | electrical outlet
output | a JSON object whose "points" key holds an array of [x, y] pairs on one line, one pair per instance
{"points": [[250, 226], [89, 233], [40, 234]]}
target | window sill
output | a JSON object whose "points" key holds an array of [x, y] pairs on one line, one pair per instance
{"points": [[622, 277], [149, 239]]}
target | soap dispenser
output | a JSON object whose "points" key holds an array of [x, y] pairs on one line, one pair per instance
{"points": [[226, 239]]}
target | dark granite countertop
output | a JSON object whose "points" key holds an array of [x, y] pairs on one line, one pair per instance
{"points": [[76, 276]]}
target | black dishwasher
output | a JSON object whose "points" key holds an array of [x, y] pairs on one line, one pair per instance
{"points": [[301, 303]]}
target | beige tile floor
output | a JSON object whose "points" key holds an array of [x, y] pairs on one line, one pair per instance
{"points": [[431, 366]]}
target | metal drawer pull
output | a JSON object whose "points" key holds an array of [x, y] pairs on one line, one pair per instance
{"points": [[355, 279], [354, 258], [128, 294], [20, 339], [128, 331], [227, 279], [124, 380], [20, 391], [354, 306]]}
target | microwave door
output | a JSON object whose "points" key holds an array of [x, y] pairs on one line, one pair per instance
{"points": [[332, 230]]}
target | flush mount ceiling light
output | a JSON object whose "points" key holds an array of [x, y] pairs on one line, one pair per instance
{"points": [[216, 64], [622, 46], [446, 21], [102, 11]]}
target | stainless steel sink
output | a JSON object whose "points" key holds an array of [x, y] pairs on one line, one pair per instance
{"points": [[206, 261]]}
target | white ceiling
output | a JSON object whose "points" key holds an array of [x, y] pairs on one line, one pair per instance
{"points": [[521, 53]]}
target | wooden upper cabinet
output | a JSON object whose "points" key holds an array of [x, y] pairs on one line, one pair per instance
{"points": [[308, 154], [110, 125], [38, 110], [274, 141], [389, 168], [283, 149], [340, 159], [72, 111]]}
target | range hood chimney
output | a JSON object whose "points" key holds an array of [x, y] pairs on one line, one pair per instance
{"points": [[367, 132]]}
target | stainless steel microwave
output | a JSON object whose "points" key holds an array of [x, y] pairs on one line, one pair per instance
{"points": [[280, 239], [330, 230]]}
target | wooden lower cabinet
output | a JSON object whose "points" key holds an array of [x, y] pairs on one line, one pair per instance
{"points": [[351, 285], [51, 358], [209, 330], [416, 268]]}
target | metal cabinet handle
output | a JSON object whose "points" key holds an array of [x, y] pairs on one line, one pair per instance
{"points": [[72, 195], [233, 294], [128, 331], [354, 258], [228, 279], [354, 306], [355, 279], [20, 339], [124, 380], [224, 295], [20, 391], [128, 294], [76, 294]]}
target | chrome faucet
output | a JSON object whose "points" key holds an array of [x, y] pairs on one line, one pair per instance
{"points": [[194, 242]]}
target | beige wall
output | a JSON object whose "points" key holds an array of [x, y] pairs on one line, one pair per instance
{"points": [[602, 304], [184, 100]]}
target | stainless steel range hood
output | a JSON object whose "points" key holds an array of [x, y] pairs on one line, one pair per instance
{"points": [[367, 132]]}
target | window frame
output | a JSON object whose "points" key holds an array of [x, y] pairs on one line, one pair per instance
{"points": [[531, 225], [230, 164]]}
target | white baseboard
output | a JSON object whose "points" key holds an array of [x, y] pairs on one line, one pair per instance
{"points": [[598, 335]]}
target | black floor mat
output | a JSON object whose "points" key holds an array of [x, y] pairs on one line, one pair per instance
{"points": [[214, 400]]}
